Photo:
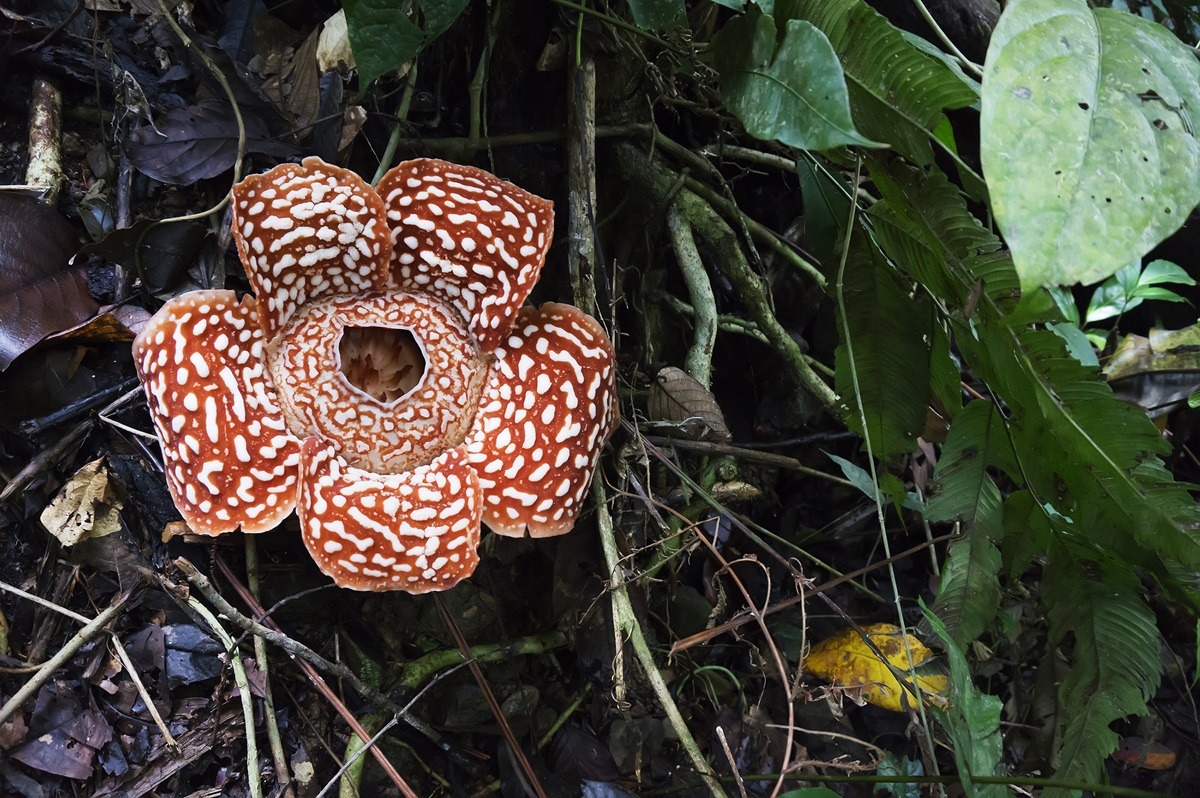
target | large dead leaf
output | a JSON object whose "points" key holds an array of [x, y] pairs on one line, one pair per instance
{"points": [[201, 141], [40, 292], [676, 397], [847, 661], [86, 507], [292, 83]]}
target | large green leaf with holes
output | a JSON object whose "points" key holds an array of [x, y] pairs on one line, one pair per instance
{"points": [[1088, 142]]}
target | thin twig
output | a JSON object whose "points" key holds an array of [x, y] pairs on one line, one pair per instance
{"points": [[253, 776], [62, 656], [306, 658], [627, 625], [283, 774], [490, 697], [118, 649]]}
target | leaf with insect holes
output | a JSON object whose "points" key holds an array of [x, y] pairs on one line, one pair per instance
{"points": [[1088, 137], [679, 399], [40, 292], [85, 508]]}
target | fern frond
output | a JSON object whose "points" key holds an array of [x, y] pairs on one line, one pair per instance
{"points": [[1115, 657]]}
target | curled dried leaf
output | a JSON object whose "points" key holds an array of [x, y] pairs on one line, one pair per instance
{"points": [[690, 408], [86, 507]]}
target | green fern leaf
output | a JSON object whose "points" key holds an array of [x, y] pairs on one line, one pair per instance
{"points": [[883, 327], [969, 594], [897, 92], [1116, 666], [972, 720]]}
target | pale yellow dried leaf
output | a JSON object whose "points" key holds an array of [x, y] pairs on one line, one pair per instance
{"points": [[85, 508]]}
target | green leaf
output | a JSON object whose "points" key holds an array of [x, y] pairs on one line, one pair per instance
{"points": [[381, 36], [888, 488], [972, 720], [1087, 136], [810, 792], [1132, 285], [890, 765], [934, 237], [658, 14], [969, 594], [887, 329], [1115, 653], [796, 94], [1077, 343], [439, 15], [1081, 450], [897, 92]]}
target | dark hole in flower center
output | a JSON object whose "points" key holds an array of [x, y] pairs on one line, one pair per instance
{"points": [[380, 361]]}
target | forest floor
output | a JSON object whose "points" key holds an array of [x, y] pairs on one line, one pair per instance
{"points": [[657, 649]]}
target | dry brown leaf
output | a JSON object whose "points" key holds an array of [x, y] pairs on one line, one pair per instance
{"points": [[847, 661], [40, 291], [676, 397], [85, 508]]}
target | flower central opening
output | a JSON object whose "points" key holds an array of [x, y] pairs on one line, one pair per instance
{"points": [[383, 362]]}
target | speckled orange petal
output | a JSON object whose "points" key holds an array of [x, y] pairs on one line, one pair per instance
{"points": [[548, 407], [417, 531], [229, 458], [309, 230], [468, 236]]}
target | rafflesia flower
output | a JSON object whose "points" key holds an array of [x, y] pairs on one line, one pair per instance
{"points": [[384, 381]]}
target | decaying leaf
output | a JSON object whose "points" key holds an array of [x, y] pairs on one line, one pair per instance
{"points": [[291, 83], [333, 47], [159, 253], [847, 661], [676, 397], [186, 145], [113, 324], [1158, 371], [40, 292], [85, 508], [1145, 754]]}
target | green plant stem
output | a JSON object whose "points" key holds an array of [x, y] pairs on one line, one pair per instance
{"points": [[879, 514], [389, 151], [626, 623], [698, 362], [274, 739], [417, 672], [1008, 781], [966, 63], [243, 685]]}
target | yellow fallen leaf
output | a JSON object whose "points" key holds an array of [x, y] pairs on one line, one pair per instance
{"points": [[847, 661]]}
